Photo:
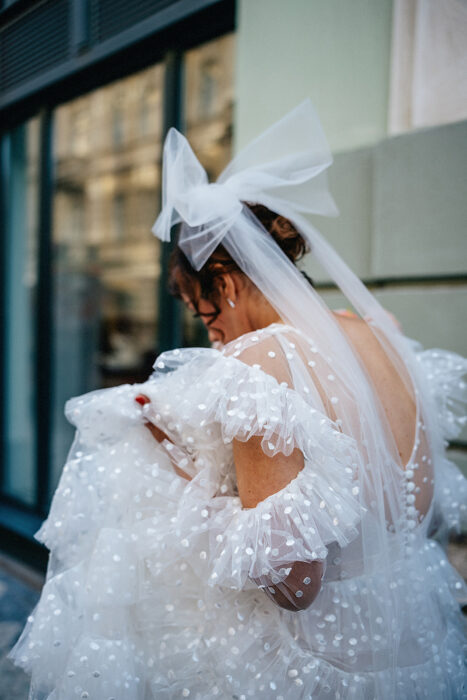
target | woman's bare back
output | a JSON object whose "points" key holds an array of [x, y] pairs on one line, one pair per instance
{"points": [[398, 402]]}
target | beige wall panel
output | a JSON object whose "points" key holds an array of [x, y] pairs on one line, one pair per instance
{"points": [[435, 316], [420, 203], [350, 232]]}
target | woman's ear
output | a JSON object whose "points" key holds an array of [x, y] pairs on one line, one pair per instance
{"points": [[227, 286]]}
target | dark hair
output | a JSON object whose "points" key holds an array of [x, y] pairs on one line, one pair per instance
{"points": [[183, 279]]}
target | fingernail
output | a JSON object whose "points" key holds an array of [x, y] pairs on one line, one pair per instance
{"points": [[141, 399]]}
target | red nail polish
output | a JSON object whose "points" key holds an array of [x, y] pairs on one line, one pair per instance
{"points": [[141, 399]]}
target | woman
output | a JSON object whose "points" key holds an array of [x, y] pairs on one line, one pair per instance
{"points": [[273, 540]]}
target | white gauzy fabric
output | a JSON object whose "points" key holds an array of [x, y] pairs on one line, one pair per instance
{"points": [[163, 588]]}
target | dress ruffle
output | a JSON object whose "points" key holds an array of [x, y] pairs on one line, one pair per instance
{"points": [[217, 643], [113, 462], [150, 590], [231, 399], [122, 522], [451, 495], [445, 375], [294, 524], [242, 400]]}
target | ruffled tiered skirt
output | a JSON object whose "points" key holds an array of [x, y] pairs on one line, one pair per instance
{"points": [[149, 592], [127, 612]]}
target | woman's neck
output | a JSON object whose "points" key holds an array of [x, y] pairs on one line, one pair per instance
{"points": [[262, 315]]}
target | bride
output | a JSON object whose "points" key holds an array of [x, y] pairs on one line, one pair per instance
{"points": [[257, 520]]}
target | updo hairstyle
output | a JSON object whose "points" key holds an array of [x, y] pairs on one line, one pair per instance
{"points": [[183, 279]]}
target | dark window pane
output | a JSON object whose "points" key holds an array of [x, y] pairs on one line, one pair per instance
{"points": [[107, 147], [20, 296]]}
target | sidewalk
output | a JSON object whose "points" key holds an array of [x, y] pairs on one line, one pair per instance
{"points": [[19, 591]]}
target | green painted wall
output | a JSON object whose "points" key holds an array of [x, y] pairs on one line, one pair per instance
{"points": [[336, 52]]}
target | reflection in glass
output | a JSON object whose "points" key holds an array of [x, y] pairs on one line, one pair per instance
{"points": [[208, 109], [107, 147], [20, 301]]}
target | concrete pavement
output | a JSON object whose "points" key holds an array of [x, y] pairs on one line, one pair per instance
{"points": [[19, 591]]}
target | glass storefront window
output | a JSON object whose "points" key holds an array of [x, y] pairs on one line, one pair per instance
{"points": [[105, 264], [20, 285], [208, 108], [107, 148]]}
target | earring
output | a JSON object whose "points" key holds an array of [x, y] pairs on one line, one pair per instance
{"points": [[231, 303]]}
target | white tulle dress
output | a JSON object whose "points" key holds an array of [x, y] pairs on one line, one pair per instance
{"points": [[150, 593]]}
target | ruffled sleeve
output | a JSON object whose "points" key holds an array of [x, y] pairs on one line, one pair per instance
{"points": [[444, 373], [237, 547]]}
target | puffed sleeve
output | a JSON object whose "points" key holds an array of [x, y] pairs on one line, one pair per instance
{"points": [[240, 548], [444, 373]]}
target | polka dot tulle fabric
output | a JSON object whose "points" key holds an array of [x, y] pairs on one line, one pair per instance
{"points": [[160, 587]]}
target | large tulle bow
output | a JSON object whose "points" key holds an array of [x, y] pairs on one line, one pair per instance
{"points": [[284, 169]]}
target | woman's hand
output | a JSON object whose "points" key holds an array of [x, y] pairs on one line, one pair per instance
{"points": [[299, 589], [142, 399], [159, 434]]}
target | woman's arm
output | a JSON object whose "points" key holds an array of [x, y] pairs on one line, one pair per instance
{"points": [[260, 476]]}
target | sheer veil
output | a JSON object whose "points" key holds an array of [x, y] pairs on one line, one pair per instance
{"points": [[285, 170]]}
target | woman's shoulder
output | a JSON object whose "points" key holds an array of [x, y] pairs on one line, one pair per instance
{"points": [[269, 349], [262, 341]]}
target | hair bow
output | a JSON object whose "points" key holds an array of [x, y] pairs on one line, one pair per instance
{"points": [[283, 169]]}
